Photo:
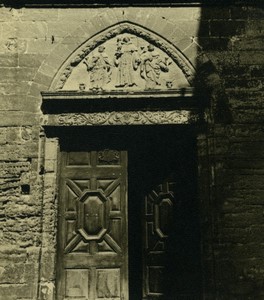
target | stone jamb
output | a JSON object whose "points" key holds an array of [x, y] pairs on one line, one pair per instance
{"points": [[47, 271]]}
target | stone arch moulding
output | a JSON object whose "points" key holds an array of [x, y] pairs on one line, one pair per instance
{"points": [[113, 40]]}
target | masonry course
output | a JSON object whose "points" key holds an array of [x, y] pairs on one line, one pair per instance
{"points": [[34, 44]]}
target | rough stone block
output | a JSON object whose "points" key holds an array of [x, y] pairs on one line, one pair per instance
{"points": [[9, 30], [41, 45], [51, 149], [255, 13], [40, 14], [250, 116], [106, 18], [79, 14], [35, 93], [60, 29], [17, 74], [180, 13], [18, 119], [214, 43], [254, 29], [215, 13], [227, 28], [48, 263], [30, 60], [251, 57], [5, 14], [14, 88], [9, 60], [15, 102], [12, 291], [239, 13], [234, 235], [135, 14], [50, 165], [12, 273], [32, 30], [248, 149]]}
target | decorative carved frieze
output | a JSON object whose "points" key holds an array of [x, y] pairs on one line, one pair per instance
{"points": [[125, 57], [121, 118]]}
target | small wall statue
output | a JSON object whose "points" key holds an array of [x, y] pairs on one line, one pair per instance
{"points": [[100, 69], [151, 66], [126, 60]]}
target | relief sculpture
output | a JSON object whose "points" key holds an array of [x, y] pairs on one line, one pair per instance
{"points": [[151, 66], [100, 69], [126, 62]]}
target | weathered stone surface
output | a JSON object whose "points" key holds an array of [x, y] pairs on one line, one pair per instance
{"points": [[35, 43], [17, 74], [30, 60], [39, 15], [227, 28], [14, 88]]}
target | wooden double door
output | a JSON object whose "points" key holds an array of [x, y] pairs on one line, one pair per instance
{"points": [[128, 215]]}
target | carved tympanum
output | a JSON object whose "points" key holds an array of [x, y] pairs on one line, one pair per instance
{"points": [[126, 61]]}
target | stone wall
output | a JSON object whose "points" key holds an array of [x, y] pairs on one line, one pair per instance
{"points": [[35, 43], [235, 46]]}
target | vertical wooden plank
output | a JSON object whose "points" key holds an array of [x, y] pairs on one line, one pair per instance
{"points": [[124, 207], [60, 276], [92, 284]]}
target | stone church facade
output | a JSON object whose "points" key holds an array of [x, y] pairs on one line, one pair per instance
{"points": [[131, 150]]}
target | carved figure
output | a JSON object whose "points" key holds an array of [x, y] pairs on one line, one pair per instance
{"points": [[100, 69], [151, 66], [126, 60]]}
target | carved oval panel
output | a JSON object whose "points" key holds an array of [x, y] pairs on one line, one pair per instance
{"points": [[164, 214], [93, 215]]}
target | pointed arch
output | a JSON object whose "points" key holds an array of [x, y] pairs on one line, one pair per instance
{"points": [[120, 28]]}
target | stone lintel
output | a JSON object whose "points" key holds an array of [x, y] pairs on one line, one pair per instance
{"points": [[104, 3], [99, 94]]}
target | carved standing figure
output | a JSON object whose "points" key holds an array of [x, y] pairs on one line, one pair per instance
{"points": [[126, 60], [100, 69], [151, 66]]}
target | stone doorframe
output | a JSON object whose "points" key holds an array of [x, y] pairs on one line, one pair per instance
{"points": [[49, 152], [199, 108]]}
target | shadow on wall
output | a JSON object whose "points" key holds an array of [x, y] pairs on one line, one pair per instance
{"points": [[230, 264]]}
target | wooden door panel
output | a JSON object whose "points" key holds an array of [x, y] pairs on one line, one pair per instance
{"points": [[76, 283], [158, 217], [92, 255]]}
